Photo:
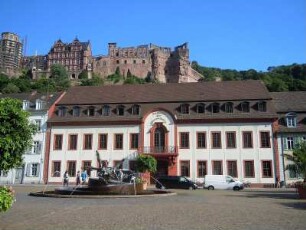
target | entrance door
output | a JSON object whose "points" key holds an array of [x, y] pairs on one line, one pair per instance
{"points": [[161, 170], [18, 175], [159, 140]]}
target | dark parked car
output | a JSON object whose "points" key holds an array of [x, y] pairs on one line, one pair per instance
{"points": [[175, 182]]}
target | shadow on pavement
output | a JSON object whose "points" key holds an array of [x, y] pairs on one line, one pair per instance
{"points": [[292, 196]]}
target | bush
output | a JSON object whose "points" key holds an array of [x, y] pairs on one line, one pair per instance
{"points": [[146, 163], [7, 198]]}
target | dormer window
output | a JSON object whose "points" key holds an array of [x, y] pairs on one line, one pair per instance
{"points": [[76, 111], [185, 109], [105, 110], [215, 108], [120, 110], [25, 104], [291, 120], [62, 111], [135, 110], [200, 108], [262, 106], [40, 104], [245, 107], [91, 111], [228, 107]]}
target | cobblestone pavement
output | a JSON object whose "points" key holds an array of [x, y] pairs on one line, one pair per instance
{"points": [[199, 209]]}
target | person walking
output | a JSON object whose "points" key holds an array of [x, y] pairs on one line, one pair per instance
{"points": [[78, 178], [66, 178], [84, 176]]}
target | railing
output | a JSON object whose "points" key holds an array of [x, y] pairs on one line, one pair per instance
{"points": [[172, 150]]}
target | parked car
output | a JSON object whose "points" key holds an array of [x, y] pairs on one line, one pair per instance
{"points": [[179, 182], [212, 182]]}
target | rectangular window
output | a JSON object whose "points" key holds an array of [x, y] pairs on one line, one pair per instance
{"points": [[56, 169], [32, 170], [37, 147], [71, 168], [185, 168], [86, 166], [38, 125], [184, 140], [132, 165], [103, 141], [3, 173], [247, 140], [118, 141], [265, 140], [134, 140], [216, 140], [290, 143], [117, 164], [232, 168], [230, 140], [266, 169], [201, 140], [88, 141], [73, 141], [202, 169], [217, 167], [58, 141], [249, 169]]}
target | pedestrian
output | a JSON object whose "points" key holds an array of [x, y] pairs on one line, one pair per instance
{"points": [[66, 178], [78, 178], [277, 182], [84, 176]]}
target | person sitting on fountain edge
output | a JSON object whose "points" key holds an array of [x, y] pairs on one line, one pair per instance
{"points": [[84, 176]]}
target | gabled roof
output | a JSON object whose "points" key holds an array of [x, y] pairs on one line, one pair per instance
{"points": [[170, 92], [32, 97], [294, 101]]}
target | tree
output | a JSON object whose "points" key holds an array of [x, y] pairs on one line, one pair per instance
{"points": [[146, 163], [298, 159], [95, 81], [60, 76], [10, 88], [83, 75], [15, 133]]}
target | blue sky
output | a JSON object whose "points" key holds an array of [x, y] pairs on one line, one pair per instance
{"points": [[228, 34]]}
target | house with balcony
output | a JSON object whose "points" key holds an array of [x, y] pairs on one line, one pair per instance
{"points": [[291, 128], [192, 129], [39, 106]]}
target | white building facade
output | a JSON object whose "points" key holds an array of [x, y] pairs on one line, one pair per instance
{"points": [[32, 169], [192, 129], [291, 130]]}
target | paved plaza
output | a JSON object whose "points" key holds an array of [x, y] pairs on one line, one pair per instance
{"points": [[199, 209]]}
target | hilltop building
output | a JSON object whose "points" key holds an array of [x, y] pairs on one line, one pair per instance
{"points": [[148, 61], [75, 56], [10, 53]]}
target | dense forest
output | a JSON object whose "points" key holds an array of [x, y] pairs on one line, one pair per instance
{"points": [[279, 78]]}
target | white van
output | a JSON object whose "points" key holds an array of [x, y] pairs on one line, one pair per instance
{"points": [[212, 182]]}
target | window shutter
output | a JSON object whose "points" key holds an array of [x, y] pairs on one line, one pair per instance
{"points": [[39, 147], [38, 169], [28, 172], [285, 145]]}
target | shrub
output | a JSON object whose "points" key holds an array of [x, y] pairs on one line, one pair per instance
{"points": [[7, 198]]}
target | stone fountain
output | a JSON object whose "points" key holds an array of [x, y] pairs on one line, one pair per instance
{"points": [[110, 181]]}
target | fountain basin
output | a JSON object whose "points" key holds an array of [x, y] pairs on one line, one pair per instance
{"points": [[144, 193]]}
